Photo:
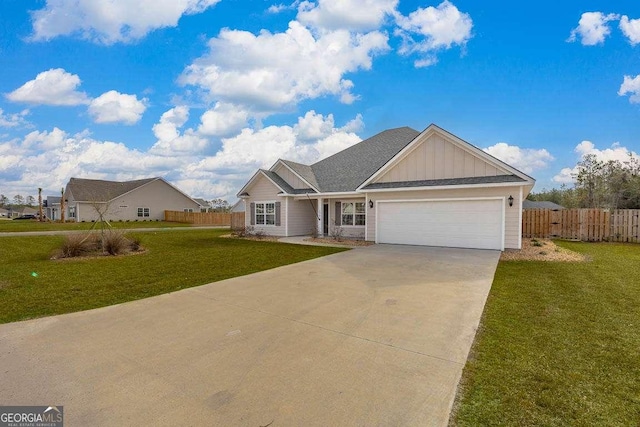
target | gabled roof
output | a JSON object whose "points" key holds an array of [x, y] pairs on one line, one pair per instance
{"points": [[304, 171], [354, 168], [202, 202], [346, 170], [98, 190], [434, 129]]}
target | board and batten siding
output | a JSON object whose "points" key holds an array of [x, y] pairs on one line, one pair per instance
{"points": [[301, 216], [290, 178], [512, 213], [437, 158], [263, 190]]}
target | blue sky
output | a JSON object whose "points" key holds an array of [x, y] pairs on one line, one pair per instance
{"points": [[204, 92]]}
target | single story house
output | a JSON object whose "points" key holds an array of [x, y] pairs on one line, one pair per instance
{"points": [[4, 213], [204, 205], [400, 186], [139, 200], [532, 204]]}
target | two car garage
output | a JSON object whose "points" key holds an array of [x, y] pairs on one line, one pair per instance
{"points": [[477, 223]]}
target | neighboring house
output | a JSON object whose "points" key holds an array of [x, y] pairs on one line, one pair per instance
{"points": [[238, 206], [530, 204], [204, 205], [141, 200], [400, 186], [25, 210], [51, 207], [4, 213]]}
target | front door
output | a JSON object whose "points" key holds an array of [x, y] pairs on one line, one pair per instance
{"points": [[325, 219]]}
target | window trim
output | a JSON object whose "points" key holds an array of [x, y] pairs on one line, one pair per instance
{"points": [[255, 212], [148, 215], [353, 215]]}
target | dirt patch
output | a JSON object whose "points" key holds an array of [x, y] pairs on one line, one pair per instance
{"points": [[541, 250], [346, 242]]}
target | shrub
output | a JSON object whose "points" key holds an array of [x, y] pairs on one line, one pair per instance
{"points": [[75, 245], [115, 243], [336, 233], [135, 244], [243, 231]]}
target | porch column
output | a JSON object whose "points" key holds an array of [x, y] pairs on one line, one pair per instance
{"points": [[320, 217]]}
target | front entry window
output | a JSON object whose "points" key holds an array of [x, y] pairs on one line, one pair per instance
{"points": [[353, 213]]}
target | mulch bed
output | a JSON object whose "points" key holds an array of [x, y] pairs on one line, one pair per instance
{"points": [[541, 250]]}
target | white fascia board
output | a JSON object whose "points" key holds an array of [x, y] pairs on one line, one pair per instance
{"points": [[444, 187]]}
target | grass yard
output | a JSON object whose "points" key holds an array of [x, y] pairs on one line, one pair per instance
{"points": [[559, 344], [174, 260], [29, 225]]}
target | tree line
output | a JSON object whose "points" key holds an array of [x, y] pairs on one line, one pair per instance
{"points": [[609, 184], [17, 200]]}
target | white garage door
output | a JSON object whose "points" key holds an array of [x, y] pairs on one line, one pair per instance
{"points": [[452, 223]]}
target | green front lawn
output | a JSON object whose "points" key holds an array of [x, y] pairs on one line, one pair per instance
{"points": [[32, 225], [559, 344], [32, 285]]}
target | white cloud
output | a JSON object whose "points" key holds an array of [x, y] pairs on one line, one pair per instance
{"points": [[223, 120], [355, 15], [615, 152], [49, 158], [436, 28], [281, 69], [314, 137], [13, 120], [527, 160], [111, 21], [277, 8], [114, 107], [52, 87], [631, 29], [592, 28], [631, 85], [171, 142]]}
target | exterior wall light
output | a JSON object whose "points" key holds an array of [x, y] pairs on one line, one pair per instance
{"points": [[371, 203], [510, 200]]}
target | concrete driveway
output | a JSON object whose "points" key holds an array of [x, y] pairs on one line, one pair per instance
{"points": [[373, 336]]}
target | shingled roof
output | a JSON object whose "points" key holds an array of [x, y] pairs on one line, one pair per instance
{"points": [[346, 170], [97, 190]]}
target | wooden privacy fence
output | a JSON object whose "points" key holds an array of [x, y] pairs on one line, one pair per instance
{"points": [[237, 220], [199, 218], [590, 225]]}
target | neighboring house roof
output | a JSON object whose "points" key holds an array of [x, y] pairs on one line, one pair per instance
{"points": [[27, 210], [238, 206], [97, 190], [531, 204], [53, 199], [201, 202]]}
